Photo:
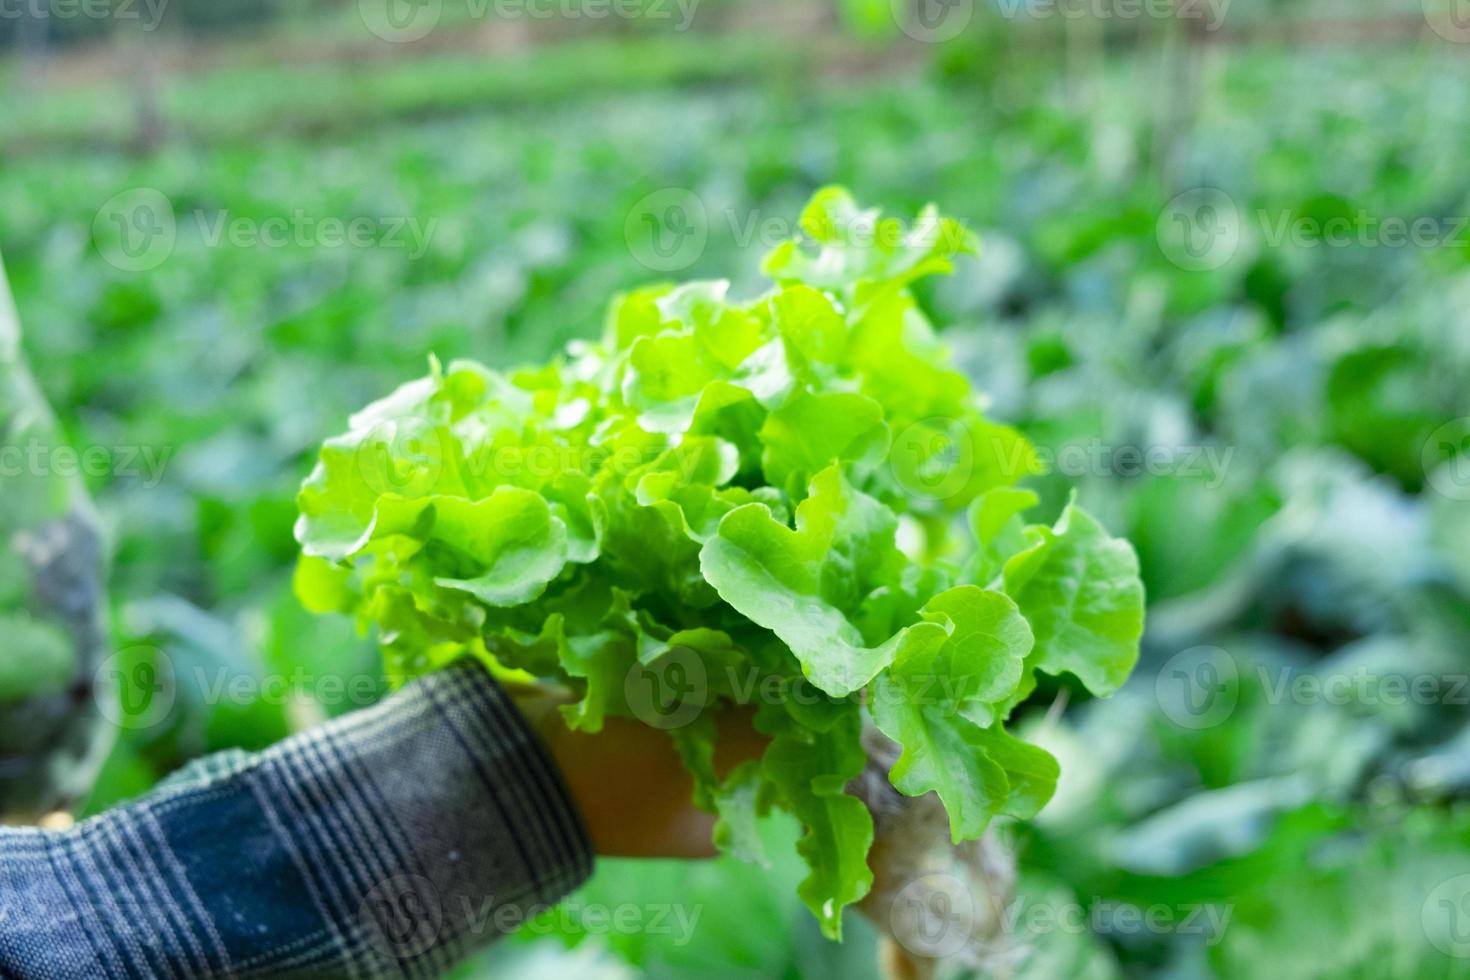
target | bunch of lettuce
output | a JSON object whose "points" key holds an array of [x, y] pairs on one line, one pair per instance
{"points": [[792, 502]]}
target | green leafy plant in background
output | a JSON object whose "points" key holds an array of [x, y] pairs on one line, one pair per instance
{"points": [[793, 494], [52, 605]]}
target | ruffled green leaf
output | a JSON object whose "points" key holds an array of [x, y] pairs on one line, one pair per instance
{"points": [[811, 771], [813, 431], [1079, 588], [799, 584], [965, 658], [710, 499]]}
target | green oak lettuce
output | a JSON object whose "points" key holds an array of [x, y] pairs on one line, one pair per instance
{"points": [[793, 501]]}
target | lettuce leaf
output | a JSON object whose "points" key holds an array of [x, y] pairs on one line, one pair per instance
{"points": [[794, 502]]}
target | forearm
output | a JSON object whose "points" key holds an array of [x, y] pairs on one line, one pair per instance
{"points": [[389, 843]]}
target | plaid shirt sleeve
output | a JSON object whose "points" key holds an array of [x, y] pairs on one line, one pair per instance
{"points": [[387, 844]]}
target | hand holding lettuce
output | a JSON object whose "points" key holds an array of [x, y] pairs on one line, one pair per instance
{"points": [[794, 494]]}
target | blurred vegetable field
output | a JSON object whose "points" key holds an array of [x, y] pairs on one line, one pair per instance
{"points": [[1224, 287]]}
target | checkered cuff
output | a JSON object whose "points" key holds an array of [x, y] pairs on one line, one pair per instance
{"points": [[387, 844]]}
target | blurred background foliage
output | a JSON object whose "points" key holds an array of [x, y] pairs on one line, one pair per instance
{"points": [[1303, 527]]}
